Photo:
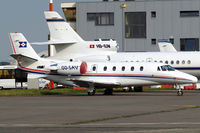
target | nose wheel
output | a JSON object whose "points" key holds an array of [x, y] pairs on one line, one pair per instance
{"points": [[180, 92]]}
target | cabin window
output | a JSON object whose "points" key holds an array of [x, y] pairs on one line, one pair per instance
{"points": [[166, 62], [114, 68], [141, 68], [183, 62], [172, 62], [158, 69], [161, 61], [123, 68], [94, 68], [177, 62], [155, 61], [132, 68], [105, 68], [189, 62]]}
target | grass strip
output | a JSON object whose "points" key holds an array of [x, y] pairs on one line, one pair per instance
{"points": [[65, 91]]}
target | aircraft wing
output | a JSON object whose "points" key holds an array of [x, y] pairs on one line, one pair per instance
{"points": [[96, 83]]}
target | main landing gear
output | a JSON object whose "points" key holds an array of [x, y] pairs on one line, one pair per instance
{"points": [[91, 90]]}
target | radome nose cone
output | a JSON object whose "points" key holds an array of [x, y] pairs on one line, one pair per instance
{"points": [[194, 80]]}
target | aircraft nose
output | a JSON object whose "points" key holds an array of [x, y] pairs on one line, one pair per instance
{"points": [[193, 79]]}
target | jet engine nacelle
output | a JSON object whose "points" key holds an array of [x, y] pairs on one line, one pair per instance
{"points": [[69, 68]]}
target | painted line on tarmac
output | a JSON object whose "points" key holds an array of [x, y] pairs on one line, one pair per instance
{"points": [[32, 125], [133, 115], [153, 123]]}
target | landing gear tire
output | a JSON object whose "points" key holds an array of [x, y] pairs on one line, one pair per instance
{"points": [[179, 93], [108, 91], [91, 90], [92, 93], [138, 89]]}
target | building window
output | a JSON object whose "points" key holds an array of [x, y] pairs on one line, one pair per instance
{"points": [[70, 14], [153, 41], [101, 18], [189, 44], [171, 40], [135, 24], [153, 14], [189, 13]]}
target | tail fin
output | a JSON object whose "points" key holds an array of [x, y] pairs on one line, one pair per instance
{"points": [[166, 46], [60, 30], [21, 48]]}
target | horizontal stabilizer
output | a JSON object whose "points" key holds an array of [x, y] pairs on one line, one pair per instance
{"points": [[52, 43], [22, 57]]}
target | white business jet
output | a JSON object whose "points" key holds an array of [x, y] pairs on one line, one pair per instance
{"points": [[70, 46], [95, 74]]}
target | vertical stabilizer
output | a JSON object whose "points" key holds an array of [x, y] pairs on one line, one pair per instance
{"points": [[166, 46], [22, 47], [60, 30]]}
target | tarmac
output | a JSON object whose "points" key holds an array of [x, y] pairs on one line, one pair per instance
{"points": [[144, 112]]}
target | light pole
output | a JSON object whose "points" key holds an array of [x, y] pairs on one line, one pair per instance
{"points": [[123, 30]]}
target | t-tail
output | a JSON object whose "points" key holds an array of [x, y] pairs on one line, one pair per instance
{"points": [[60, 29], [22, 50]]}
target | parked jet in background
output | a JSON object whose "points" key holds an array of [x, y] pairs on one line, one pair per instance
{"points": [[95, 74], [166, 46]]}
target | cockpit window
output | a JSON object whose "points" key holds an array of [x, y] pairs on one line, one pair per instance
{"points": [[167, 68], [163, 68], [170, 68], [158, 69]]}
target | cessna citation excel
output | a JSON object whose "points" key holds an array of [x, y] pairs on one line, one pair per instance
{"points": [[70, 46], [95, 74]]}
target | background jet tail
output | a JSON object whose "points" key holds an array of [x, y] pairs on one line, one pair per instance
{"points": [[21, 48], [60, 30], [166, 46]]}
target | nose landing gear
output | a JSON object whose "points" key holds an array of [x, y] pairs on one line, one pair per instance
{"points": [[180, 91]]}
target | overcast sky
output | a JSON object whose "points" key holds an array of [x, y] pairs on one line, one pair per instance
{"points": [[26, 16]]}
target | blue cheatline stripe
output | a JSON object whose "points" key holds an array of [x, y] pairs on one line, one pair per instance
{"points": [[187, 68], [55, 20], [106, 75]]}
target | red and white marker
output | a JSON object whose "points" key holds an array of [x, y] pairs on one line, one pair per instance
{"points": [[51, 5]]}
